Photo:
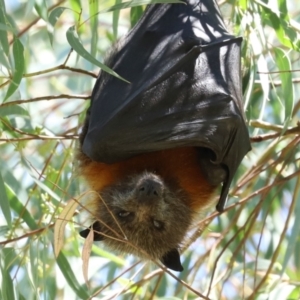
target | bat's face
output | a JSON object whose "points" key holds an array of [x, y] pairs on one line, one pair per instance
{"points": [[148, 202], [143, 215]]}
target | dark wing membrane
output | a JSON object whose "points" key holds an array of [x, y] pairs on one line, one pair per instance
{"points": [[185, 90]]}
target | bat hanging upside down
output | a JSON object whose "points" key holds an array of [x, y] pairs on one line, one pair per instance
{"points": [[156, 149], [150, 200]]}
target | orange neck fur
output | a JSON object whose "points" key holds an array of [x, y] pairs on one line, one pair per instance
{"points": [[180, 164]]}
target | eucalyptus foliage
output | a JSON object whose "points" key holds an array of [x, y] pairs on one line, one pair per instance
{"points": [[50, 55]]}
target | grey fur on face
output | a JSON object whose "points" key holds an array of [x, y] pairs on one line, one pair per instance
{"points": [[142, 215]]}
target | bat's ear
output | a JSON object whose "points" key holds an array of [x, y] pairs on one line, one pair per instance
{"points": [[172, 260], [96, 226], [215, 173]]}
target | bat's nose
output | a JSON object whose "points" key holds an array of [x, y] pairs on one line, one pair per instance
{"points": [[149, 189]]}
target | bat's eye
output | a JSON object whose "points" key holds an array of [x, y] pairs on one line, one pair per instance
{"points": [[158, 224], [124, 214]]}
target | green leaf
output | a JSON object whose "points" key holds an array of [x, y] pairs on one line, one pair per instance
{"points": [[70, 277], [295, 233], [18, 54], [42, 9], [116, 15], [3, 34], [135, 14], [13, 110], [29, 6], [3, 58], [4, 202], [75, 43], [7, 28], [134, 3], [283, 9], [280, 23], [55, 14], [250, 84], [109, 255], [243, 4], [284, 65], [93, 6], [42, 185], [20, 209], [4, 230], [7, 286], [76, 6], [46, 189], [263, 67]]}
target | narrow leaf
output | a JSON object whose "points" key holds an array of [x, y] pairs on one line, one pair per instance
{"points": [[134, 3], [29, 7], [295, 233], [7, 28], [41, 8], [263, 68], [283, 9], [108, 255], [280, 23], [70, 277], [75, 43], [93, 7], [284, 65], [7, 285], [249, 88], [7, 255], [20, 209], [76, 6], [116, 15], [3, 59], [13, 110], [45, 188], [60, 224], [55, 14], [4, 202], [3, 34], [18, 54], [135, 14], [86, 253], [243, 4]]}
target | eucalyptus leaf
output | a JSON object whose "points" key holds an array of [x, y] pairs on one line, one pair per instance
{"points": [[76, 44], [4, 202], [18, 54], [284, 66], [55, 14]]}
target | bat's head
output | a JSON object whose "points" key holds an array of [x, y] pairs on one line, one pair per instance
{"points": [[143, 215]]}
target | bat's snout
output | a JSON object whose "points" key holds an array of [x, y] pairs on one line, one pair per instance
{"points": [[149, 190]]}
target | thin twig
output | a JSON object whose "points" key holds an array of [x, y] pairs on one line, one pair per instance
{"points": [[26, 235], [266, 125], [47, 98], [278, 72], [39, 137], [278, 82], [61, 67], [268, 136]]}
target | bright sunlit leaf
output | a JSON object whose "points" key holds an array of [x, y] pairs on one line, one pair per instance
{"points": [[60, 224]]}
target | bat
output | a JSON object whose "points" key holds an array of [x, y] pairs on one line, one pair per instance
{"points": [[157, 148]]}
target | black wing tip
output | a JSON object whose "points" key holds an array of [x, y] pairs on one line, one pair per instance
{"points": [[96, 226], [84, 233], [172, 260], [220, 206]]}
